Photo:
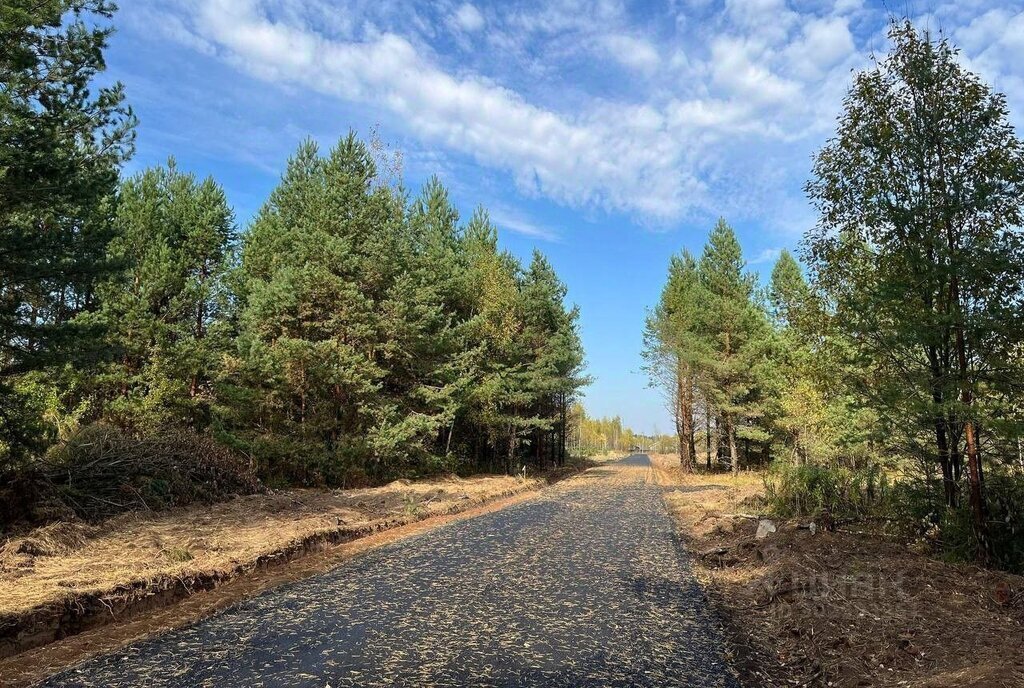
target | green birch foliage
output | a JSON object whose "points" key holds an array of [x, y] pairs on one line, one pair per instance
{"points": [[809, 412], [920, 199]]}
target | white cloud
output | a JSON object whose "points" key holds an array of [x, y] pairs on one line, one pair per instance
{"points": [[635, 53], [618, 158], [767, 255], [723, 120], [505, 218], [822, 44], [769, 20], [468, 17], [738, 67]]}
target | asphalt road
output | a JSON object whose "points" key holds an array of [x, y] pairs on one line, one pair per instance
{"points": [[583, 586]]}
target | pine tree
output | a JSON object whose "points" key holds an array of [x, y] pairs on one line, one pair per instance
{"points": [[316, 269], [442, 266], [500, 396], [735, 333], [427, 377], [555, 359], [790, 294], [162, 311], [60, 151], [674, 347]]}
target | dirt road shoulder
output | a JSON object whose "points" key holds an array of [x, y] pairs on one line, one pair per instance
{"points": [[814, 608]]}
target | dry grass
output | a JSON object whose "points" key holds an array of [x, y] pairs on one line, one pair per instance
{"points": [[70, 566], [844, 608]]}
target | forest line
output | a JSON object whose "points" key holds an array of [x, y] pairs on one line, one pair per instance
{"points": [[882, 379], [352, 333]]}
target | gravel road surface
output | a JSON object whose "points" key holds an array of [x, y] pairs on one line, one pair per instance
{"points": [[584, 585]]}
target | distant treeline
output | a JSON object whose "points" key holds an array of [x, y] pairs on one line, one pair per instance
{"points": [[901, 358], [351, 332], [589, 436]]}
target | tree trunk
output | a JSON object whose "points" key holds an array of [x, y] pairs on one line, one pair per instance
{"points": [[936, 370], [690, 429], [684, 419], [974, 474], [448, 444], [561, 436], [948, 483], [707, 436], [730, 435]]}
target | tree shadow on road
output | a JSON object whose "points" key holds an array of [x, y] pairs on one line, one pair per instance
{"points": [[697, 488]]}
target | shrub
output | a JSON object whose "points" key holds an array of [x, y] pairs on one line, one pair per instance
{"points": [[1004, 498], [1004, 493], [916, 508], [102, 471], [824, 492]]}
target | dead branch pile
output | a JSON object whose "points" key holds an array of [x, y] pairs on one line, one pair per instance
{"points": [[103, 471]]}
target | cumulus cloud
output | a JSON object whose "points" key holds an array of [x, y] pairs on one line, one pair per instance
{"points": [[727, 111], [468, 17]]}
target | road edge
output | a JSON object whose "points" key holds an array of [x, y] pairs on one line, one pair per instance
{"points": [[187, 603]]}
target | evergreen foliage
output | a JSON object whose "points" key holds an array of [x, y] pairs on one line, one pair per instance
{"points": [[163, 311], [60, 153], [378, 338], [348, 334], [708, 344]]}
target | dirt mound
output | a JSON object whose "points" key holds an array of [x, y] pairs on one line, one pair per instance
{"points": [[51, 540]]}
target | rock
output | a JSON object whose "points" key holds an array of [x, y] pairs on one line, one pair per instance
{"points": [[1004, 594], [765, 528], [813, 527]]}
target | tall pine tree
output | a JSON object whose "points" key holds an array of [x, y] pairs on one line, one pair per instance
{"points": [[735, 332], [61, 147], [163, 310]]}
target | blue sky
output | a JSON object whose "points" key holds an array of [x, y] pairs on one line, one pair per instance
{"points": [[608, 135]]}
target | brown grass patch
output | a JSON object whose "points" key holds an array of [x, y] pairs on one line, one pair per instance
{"points": [[843, 608], [67, 577]]}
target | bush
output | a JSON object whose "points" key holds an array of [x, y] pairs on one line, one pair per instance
{"points": [[282, 461], [102, 471], [952, 530], [916, 508], [1004, 495], [823, 492]]}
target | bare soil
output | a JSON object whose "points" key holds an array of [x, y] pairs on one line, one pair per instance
{"points": [[848, 608]]}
